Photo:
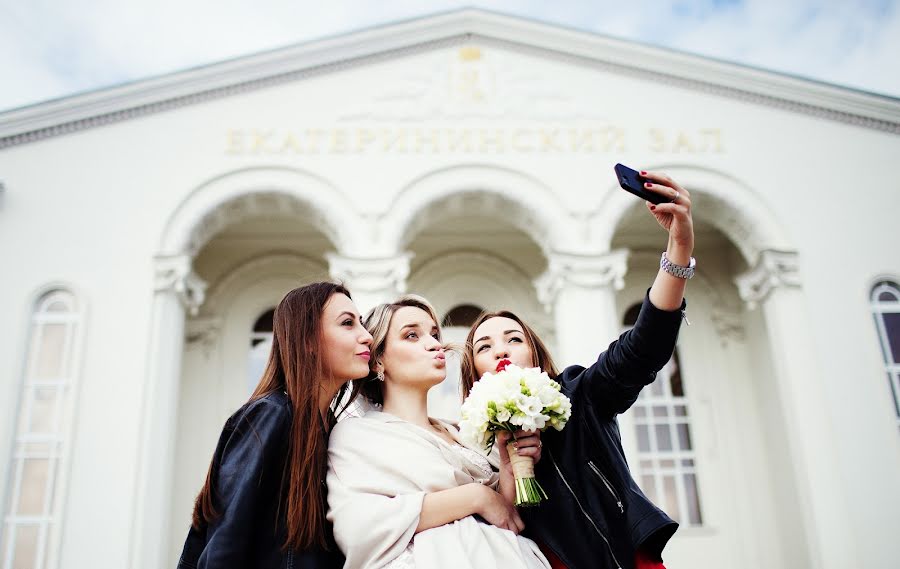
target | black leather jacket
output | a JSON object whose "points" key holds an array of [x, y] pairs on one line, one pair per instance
{"points": [[246, 482], [596, 516]]}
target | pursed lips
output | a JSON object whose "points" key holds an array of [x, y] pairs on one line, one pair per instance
{"points": [[365, 355]]}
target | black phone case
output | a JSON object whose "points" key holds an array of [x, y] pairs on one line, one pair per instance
{"points": [[631, 181]]}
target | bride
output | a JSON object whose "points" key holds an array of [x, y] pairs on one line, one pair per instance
{"points": [[403, 490]]}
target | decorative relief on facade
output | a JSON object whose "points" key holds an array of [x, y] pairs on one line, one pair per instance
{"points": [[175, 275], [773, 270], [466, 92], [371, 275], [472, 82], [587, 271]]}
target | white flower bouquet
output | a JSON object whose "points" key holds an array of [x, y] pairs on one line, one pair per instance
{"points": [[514, 398]]}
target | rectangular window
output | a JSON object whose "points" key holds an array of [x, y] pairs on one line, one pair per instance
{"points": [[666, 456]]}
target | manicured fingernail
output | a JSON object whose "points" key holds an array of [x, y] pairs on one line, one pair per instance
{"points": [[643, 173], [652, 208], [647, 184]]}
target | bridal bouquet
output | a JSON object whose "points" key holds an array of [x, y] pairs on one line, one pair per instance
{"points": [[514, 398]]}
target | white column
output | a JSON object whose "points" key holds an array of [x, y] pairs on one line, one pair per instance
{"points": [[371, 281], [177, 289], [774, 285], [581, 292]]}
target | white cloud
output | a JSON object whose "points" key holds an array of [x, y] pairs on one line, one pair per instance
{"points": [[844, 43], [50, 48]]}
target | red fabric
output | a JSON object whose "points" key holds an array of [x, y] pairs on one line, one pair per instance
{"points": [[555, 563], [641, 561]]}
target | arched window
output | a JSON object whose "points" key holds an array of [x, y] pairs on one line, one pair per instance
{"points": [[666, 456], [260, 346], [463, 315], [33, 509], [885, 299]]}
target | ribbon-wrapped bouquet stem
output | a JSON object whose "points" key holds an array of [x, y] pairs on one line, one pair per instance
{"points": [[515, 398]]}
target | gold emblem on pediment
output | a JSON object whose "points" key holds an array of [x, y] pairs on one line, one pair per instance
{"points": [[471, 77], [469, 53]]}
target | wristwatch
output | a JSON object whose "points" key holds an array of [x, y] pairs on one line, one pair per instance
{"points": [[679, 271]]}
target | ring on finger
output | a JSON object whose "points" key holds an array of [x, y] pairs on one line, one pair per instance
{"points": [[676, 197]]}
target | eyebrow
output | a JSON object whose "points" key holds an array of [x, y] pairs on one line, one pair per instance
{"points": [[416, 325], [347, 313], [506, 332]]}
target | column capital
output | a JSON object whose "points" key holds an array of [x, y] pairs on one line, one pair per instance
{"points": [[370, 275], [585, 271], [773, 270], [175, 274]]}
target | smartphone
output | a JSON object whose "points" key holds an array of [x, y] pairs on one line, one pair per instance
{"points": [[631, 181]]}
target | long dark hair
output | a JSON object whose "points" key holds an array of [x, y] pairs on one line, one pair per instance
{"points": [[539, 352], [295, 366]]}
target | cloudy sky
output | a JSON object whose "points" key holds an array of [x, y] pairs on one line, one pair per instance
{"points": [[55, 48]]}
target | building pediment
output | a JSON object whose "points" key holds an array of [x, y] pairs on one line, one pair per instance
{"points": [[469, 29]]}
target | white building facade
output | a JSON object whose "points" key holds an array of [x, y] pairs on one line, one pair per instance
{"points": [[146, 231]]}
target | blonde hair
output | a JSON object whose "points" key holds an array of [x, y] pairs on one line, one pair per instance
{"points": [[378, 322]]}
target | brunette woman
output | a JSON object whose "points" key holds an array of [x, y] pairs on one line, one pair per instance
{"points": [[597, 516], [264, 501]]}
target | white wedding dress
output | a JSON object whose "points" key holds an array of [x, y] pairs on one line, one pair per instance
{"points": [[380, 468]]}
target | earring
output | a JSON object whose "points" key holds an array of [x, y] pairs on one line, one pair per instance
{"points": [[379, 375]]}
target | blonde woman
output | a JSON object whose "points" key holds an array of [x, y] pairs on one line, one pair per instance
{"points": [[403, 490]]}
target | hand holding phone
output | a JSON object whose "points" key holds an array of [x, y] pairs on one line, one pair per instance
{"points": [[631, 181]]}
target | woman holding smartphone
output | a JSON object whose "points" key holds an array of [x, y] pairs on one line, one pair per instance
{"points": [[264, 501], [597, 515]]}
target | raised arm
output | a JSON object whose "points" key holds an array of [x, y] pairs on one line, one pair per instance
{"points": [[674, 216], [631, 362]]}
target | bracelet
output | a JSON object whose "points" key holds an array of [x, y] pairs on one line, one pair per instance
{"points": [[679, 271]]}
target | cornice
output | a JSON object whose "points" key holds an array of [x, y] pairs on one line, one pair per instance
{"points": [[246, 74]]}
